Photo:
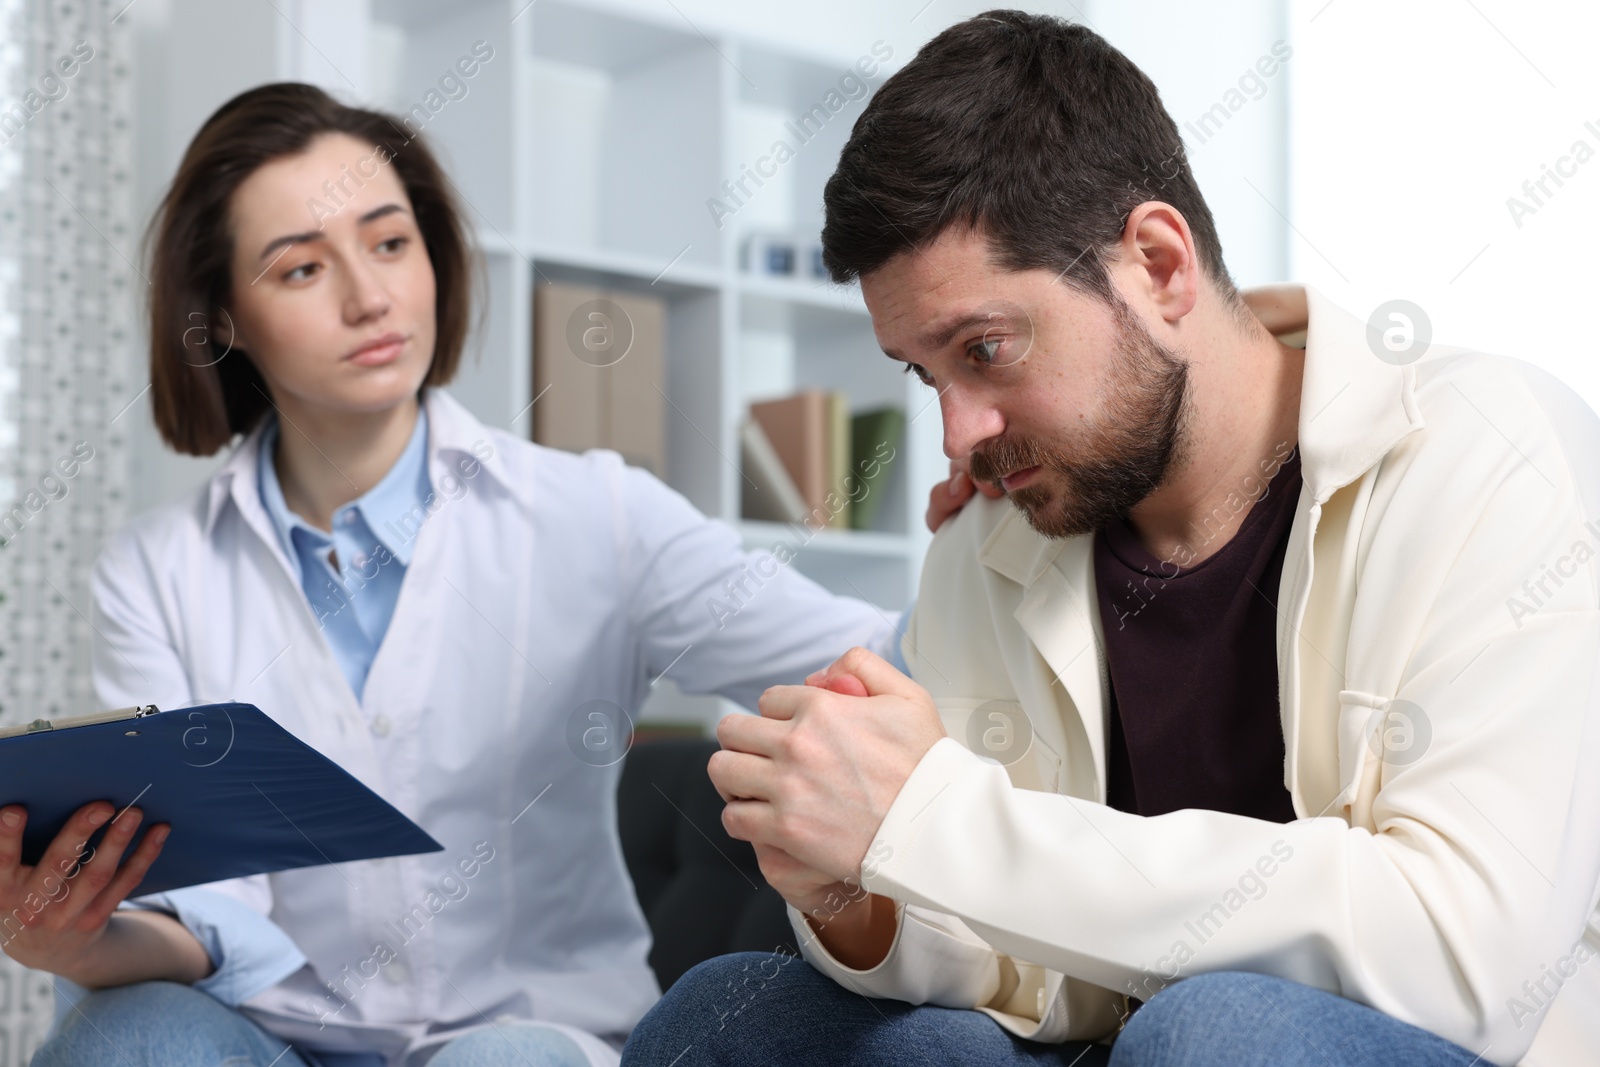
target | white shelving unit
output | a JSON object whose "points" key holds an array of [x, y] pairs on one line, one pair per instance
{"points": [[586, 150]]}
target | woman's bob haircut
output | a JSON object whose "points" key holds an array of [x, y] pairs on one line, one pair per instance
{"points": [[202, 392]]}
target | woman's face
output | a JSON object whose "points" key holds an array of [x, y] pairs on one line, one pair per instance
{"points": [[332, 289]]}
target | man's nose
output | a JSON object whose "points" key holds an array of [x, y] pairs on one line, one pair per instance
{"points": [[968, 422]]}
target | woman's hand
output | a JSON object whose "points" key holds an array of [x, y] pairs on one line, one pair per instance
{"points": [[54, 916], [949, 497]]}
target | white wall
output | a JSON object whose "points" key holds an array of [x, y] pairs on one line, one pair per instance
{"points": [[1204, 55], [1412, 125]]}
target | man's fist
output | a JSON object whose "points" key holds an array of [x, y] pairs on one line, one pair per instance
{"points": [[814, 776]]}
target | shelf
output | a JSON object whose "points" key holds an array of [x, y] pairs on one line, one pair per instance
{"points": [[808, 292], [592, 37], [649, 270], [625, 151], [836, 542]]}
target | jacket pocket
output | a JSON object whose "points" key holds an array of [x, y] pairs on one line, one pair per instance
{"points": [[1000, 731], [1375, 733]]}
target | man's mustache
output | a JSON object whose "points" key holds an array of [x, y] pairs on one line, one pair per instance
{"points": [[1004, 456]]}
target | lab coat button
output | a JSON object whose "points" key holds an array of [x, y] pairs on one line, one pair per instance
{"points": [[381, 725]]}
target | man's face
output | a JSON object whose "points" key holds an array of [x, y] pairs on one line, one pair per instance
{"points": [[1070, 405]]}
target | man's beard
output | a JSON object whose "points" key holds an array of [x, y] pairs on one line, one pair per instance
{"points": [[1121, 461]]}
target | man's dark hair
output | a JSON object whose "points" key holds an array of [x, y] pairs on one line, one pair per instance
{"points": [[1033, 129]]}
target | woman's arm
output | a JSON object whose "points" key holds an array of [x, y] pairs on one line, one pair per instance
{"points": [[722, 619]]}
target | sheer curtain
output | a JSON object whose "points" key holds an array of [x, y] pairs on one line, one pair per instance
{"points": [[70, 292]]}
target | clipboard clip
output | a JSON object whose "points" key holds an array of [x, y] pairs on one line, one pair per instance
{"points": [[39, 726]]}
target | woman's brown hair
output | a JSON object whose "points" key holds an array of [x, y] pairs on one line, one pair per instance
{"points": [[202, 393]]}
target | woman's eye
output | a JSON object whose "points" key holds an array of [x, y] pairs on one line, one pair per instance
{"points": [[296, 274], [922, 375], [393, 244]]}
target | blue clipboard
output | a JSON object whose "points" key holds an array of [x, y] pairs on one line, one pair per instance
{"points": [[244, 796]]}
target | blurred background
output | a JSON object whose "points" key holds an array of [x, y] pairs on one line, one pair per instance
{"points": [[1441, 152]]}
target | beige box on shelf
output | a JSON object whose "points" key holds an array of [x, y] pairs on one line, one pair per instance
{"points": [[599, 372]]}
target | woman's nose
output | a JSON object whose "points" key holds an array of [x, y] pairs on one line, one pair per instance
{"points": [[367, 297]]}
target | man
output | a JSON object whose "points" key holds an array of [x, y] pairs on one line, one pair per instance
{"points": [[1266, 702]]}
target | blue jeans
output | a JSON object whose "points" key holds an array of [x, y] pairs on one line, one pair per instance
{"points": [[163, 1024], [755, 1008]]}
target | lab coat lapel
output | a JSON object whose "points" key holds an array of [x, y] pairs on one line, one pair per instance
{"points": [[338, 714]]}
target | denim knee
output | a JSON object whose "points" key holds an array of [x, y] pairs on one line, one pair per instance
{"points": [[1158, 1033], [535, 1046], [705, 1009], [150, 1022]]}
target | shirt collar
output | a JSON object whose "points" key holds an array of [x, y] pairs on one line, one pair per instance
{"points": [[454, 437], [399, 493]]}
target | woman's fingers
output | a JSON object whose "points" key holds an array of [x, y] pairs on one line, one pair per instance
{"points": [[13, 819], [71, 877], [947, 498], [98, 870], [128, 878], [67, 851]]}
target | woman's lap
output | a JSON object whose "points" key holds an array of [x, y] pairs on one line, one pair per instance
{"points": [[164, 1024], [160, 1023]]}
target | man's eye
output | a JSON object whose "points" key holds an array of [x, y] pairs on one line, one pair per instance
{"points": [[922, 375], [985, 351]]}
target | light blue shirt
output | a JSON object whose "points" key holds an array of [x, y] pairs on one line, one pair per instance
{"points": [[372, 539]]}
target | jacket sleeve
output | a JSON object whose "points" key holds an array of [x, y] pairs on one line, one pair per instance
{"points": [[1450, 868], [718, 619], [135, 661], [937, 959]]}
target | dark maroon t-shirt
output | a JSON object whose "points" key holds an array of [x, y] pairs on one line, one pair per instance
{"points": [[1193, 660]]}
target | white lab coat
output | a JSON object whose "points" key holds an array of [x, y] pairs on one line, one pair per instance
{"points": [[541, 581]]}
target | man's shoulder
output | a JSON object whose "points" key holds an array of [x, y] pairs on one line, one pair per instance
{"points": [[1481, 408]]}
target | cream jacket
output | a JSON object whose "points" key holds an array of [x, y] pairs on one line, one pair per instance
{"points": [[1438, 639]]}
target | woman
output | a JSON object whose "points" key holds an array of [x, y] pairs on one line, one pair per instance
{"points": [[454, 615]]}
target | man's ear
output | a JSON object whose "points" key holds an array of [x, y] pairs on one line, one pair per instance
{"points": [[1159, 261]]}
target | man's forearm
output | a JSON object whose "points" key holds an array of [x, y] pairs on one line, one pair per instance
{"points": [[860, 934], [143, 946]]}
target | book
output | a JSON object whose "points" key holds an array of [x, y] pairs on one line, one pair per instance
{"points": [[845, 489], [810, 433], [767, 492], [875, 446]]}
